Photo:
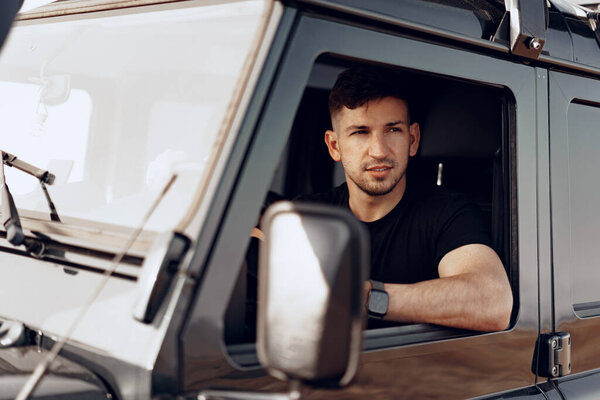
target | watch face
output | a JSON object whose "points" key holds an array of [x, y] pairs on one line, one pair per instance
{"points": [[378, 302]]}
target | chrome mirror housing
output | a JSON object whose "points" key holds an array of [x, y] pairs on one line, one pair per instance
{"points": [[312, 266]]}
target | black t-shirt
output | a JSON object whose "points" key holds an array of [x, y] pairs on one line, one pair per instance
{"points": [[408, 243]]}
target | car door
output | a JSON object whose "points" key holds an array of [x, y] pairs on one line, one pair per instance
{"points": [[574, 106], [415, 361]]}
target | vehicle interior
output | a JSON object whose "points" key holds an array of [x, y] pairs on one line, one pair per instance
{"points": [[465, 147]]}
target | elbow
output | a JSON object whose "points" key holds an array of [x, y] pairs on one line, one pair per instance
{"points": [[500, 322], [502, 309]]}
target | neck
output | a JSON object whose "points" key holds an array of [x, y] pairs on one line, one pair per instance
{"points": [[369, 208]]}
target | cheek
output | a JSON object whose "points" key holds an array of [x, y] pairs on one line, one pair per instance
{"points": [[401, 145], [347, 149], [349, 156]]}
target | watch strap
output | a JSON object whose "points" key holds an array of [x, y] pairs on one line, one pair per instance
{"points": [[376, 285]]}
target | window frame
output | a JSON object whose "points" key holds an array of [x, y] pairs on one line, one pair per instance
{"points": [[313, 37]]}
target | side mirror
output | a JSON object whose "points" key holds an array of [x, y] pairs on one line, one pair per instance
{"points": [[312, 266]]}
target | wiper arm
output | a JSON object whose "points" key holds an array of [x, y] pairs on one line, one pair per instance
{"points": [[12, 161], [10, 215], [44, 176]]}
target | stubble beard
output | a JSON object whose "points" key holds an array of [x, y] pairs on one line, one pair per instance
{"points": [[377, 186]]}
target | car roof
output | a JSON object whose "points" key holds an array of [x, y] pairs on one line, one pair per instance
{"points": [[571, 39]]}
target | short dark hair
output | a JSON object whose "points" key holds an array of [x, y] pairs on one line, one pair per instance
{"points": [[355, 87]]}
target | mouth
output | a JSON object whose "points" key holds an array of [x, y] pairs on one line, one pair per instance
{"points": [[378, 168], [379, 171]]}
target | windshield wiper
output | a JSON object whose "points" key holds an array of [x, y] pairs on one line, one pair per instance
{"points": [[45, 177], [10, 215], [12, 161]]}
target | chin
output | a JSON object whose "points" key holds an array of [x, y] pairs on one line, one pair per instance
{"points": [[377, 191]]}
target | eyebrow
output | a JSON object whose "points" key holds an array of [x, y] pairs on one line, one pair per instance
{"points": [[400, 121], [361, 127], [356, 127]]}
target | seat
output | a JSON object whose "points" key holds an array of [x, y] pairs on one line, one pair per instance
{"points": [[461, 150]]}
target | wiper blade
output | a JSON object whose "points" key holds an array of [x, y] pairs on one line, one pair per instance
{"points": [[53, 212], [10, 215]]}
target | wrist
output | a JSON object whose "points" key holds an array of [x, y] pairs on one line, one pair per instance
{"points": [[377, 300]]}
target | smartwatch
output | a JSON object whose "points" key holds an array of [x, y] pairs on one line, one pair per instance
{"points": [[377, 305]]}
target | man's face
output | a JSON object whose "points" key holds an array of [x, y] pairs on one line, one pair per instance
{"points": [[374, 142]]}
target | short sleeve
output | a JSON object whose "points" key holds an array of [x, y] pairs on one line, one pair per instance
{"points": [[459, 223]]}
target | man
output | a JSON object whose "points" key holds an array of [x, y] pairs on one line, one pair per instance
{"points": [[431, 258]]}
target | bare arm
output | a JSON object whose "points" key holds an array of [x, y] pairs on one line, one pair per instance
{"points": [[473, 292]]}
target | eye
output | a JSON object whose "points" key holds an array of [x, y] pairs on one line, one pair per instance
{"points": [[359, 132], [395, 129]]}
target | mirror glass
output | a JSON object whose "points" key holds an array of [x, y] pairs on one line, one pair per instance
{"points": [[312, 266]]}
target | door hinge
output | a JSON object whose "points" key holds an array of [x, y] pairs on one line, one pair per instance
{"points": [[552, 356]]}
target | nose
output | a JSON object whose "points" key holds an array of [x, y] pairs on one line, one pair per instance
{"points": [[378, 147]]}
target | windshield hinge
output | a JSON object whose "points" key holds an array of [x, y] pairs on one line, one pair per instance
{"points": [[554, 350], [158, 271], [528, 23]]}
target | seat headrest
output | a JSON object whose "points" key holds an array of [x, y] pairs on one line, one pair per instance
{"points": [[465, 120]]}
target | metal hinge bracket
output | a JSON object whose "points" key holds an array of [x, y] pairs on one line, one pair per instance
{"points": [[528, 24], [552, 357], [158, 273]]}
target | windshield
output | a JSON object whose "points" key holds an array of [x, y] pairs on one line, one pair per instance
{"points": [[113, 103]]}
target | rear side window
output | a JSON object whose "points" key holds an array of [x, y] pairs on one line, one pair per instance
{"points": [[584, 195]]}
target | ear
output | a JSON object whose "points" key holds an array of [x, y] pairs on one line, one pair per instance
{"points": [[415, 138], [332, 145]]}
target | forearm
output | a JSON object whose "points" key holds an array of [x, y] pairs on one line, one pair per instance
{"points": [[477, 301]]}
